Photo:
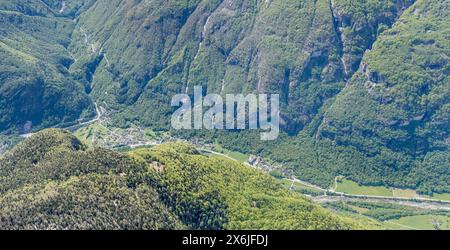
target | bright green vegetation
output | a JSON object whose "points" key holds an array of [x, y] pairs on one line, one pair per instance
{"points": [[300, 188], [86, 134], [389, 125], [406, 193], [445, 197], [54, 181], [350, 187], [102, 134], [7, 142], [364, 85], [398, 132], [393, 216], [228, 194], [240, 157], [419, 222]]}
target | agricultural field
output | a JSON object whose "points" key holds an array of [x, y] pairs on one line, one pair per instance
{"points": [[405, 193], [445, 197], [350, 187], [89, 134], [419, 222], [394, 216], [300, 188], [233, 154]]}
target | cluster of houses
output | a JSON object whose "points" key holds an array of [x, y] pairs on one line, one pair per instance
{"points": [[131, 137], [259, 163]]}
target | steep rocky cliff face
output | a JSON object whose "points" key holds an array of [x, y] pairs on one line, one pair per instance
{"points": [[134, 54], [364, 84], [395, 110], [144, 51], [359, 23]]}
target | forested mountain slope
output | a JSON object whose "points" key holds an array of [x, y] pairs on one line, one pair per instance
{"points": [[396, 110], [36, 88], [390, 124], [304, 50], [364, 85], [53, 181]]}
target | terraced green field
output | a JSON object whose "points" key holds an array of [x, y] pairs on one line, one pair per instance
{"points": [[350, 187]]}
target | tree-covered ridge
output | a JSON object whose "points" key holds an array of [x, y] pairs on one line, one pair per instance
{"points": [[92, 201], [45, 152], [389, 125], [364, 84], [213, 193], [53, 181]]}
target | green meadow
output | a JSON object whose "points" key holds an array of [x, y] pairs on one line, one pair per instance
{"points": [[350, 187], [419, 222], [445, 197], [233, 154]]}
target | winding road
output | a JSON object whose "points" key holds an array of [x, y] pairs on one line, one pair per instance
{"points": [[329, 194], [421, 202], [433, 204]]}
